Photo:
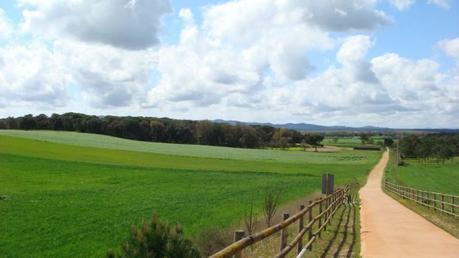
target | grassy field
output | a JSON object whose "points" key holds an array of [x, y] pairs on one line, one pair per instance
{"points": [[434, 177], [78, 199], [345, 142], [109, 142], [429, 176]]}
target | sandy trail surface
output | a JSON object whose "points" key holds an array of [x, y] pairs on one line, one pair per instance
{"points": [[389, 229]]}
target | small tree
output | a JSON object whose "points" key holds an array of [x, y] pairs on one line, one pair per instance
{"points": [[250, 220], [388, 142], [270, 206], [314, 140], [156, 239], [364, 138]]}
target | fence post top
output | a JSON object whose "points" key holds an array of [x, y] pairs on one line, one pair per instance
{"points": [[286, 215]]}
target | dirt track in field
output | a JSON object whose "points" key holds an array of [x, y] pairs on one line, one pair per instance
{"points": [[389, 229]]}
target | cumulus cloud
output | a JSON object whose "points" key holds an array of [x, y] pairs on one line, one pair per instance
{"points": [[406, 4], [5, 25], [442, 3], [450, 47], [245, 60], [107, 76], [32, 74], [243, 46], [402, 4], [132, 24], [352, 55]]}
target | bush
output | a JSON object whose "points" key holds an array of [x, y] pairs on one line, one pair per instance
{"points": [[156, 239]]}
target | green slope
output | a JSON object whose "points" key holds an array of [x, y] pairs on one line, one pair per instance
{"points": [[108, 142], [72, 201]]}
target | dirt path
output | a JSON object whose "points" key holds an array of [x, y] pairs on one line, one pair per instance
{"points": [[388, 229]]}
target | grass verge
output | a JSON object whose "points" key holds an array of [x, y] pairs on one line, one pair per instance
{"points": [[430, 177]]}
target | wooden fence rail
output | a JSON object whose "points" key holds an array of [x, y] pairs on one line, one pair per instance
{"points": [[445, 203], [326, 207]]}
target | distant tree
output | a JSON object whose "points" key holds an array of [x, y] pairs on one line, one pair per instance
{"points": [[27, 122], [408, 146], [249, 138], [157, 131], [11, 123], [423, 150], [364, 138], [42, 122], [443, 151], [55, 122], [314, 140], [304, 144], [280, 139], [94, 125], [388, 142]]}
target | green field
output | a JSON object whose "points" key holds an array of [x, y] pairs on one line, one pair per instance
{"points": [[345, 142], [430, 176], [75, 195]]}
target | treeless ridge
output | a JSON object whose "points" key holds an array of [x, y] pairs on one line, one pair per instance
{"points": [[388, 229]]}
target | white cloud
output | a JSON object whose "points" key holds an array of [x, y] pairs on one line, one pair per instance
{"points": [[5, 25], [352, 55], [246, 60], [406, 4], [125, 24], [243, 44], [107, 76], [450, 47], [402, 4], [32, 74], [442, 3]]}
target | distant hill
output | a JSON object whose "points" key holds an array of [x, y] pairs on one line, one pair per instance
{"points": [[305, 127]]}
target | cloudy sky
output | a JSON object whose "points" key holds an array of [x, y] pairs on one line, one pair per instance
{"points": [[350, 62]]}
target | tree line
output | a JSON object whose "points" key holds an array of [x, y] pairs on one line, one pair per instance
{"points": [[167, 130], [438, 147]]}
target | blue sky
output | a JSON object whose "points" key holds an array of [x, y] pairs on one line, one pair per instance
{"points": [[356, 62]]}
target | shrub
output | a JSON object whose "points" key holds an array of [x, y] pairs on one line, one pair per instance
{"points": [[156, 239]]}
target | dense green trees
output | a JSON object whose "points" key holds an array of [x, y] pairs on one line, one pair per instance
{"points": [[440, 147], [314, 140], [161, 130]]}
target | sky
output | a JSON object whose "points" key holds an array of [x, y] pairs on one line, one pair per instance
{"points": [[390, 63]]}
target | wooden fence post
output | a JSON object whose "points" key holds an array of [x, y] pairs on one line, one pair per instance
{"points": [[442, 202], [327, 203], [238, 235], [320, 211], [452, 204], [300, 228], [284, 233], [435, 200], [309, 220]]}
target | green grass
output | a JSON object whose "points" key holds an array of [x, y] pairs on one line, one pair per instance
{"points": [[108, 142], [345, 142], [429, 177], [443, 178], [75, 201]]}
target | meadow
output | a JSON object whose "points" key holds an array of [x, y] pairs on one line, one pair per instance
{"points": [[75, 195], [428, 176], [345, 142]]}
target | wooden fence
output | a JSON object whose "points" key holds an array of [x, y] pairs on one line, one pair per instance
{"points": [[309, 226], [445, 203]]}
